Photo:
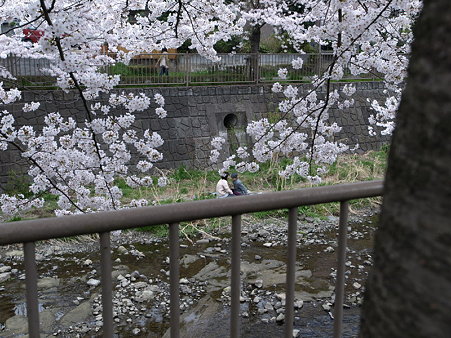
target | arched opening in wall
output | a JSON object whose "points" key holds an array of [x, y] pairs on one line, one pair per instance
{"points": [[231, 122]]}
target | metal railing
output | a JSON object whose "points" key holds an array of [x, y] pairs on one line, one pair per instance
{"points": [[28, 232], [186, 69]]}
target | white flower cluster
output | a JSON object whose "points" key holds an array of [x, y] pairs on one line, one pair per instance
{"points": [[216, 144], [385, 115], [29, 107], [9, 96], [80, 163]]}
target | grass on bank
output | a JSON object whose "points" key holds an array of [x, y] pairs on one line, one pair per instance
{"points": [[187, 185]]}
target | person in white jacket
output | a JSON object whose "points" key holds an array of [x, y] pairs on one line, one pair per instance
{"points": [[222, 187]]}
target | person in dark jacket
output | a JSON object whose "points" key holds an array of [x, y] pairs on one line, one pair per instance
{"points": [[238, 187]]}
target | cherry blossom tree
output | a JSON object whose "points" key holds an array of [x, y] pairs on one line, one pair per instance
{"points": [[366, 37], [81, 163]]}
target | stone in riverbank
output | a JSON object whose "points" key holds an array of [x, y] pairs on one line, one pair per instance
{"points": [[76, 315], [5, 268], [48, 282], [4, 276], [17, 324]]}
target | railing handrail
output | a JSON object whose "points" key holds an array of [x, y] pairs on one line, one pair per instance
{"points": [[57, 227]]}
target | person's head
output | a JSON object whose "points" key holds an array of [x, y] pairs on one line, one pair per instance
{"points": [[224, 175], [234, 176], [164, 49]]}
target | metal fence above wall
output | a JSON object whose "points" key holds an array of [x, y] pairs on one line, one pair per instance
{"points": [[188, 69]]}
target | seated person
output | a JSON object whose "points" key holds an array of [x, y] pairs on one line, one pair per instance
{"points": [[238, 186], [222, 187]]}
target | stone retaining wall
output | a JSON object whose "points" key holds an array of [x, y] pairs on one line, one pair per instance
{"points": [[195, 115]]}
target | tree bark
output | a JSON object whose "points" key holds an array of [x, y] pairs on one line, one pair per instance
{"points": [[254, 40], [409, 290]]}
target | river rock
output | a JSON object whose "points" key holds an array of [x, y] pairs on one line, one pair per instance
{"points": [[258, 283], [281, 296], [263, 233], [5, 269], [47, 319], [76, 315], [14, 253], [4, 276], [18, 324], [122, 250], [326, 306], [185, 289], [280, 318], [296, 333], [137, 253], [87, 262], [144, 296], [186, 260], [213, 273], [140, 285], [93, 282], [48, 282], [269, 307], [356, 285]]}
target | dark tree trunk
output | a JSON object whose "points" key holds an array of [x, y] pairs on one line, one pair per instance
{"points": [[409, 290], [254, 40]]}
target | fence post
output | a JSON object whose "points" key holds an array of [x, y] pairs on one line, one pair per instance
{"points": [[291, 272], [341, 269], [257, 68], [235, 291], [187, 70], [107, 283], [31, 291], [174, 278], [320, 61]]}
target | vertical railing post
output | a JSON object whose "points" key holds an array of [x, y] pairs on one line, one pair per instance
{"points": [[187, 68], [257, 69], [235, 290], [107, 283], [320, 61], [291, 268], [31, 283], [174, 279], [341, 258]]}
